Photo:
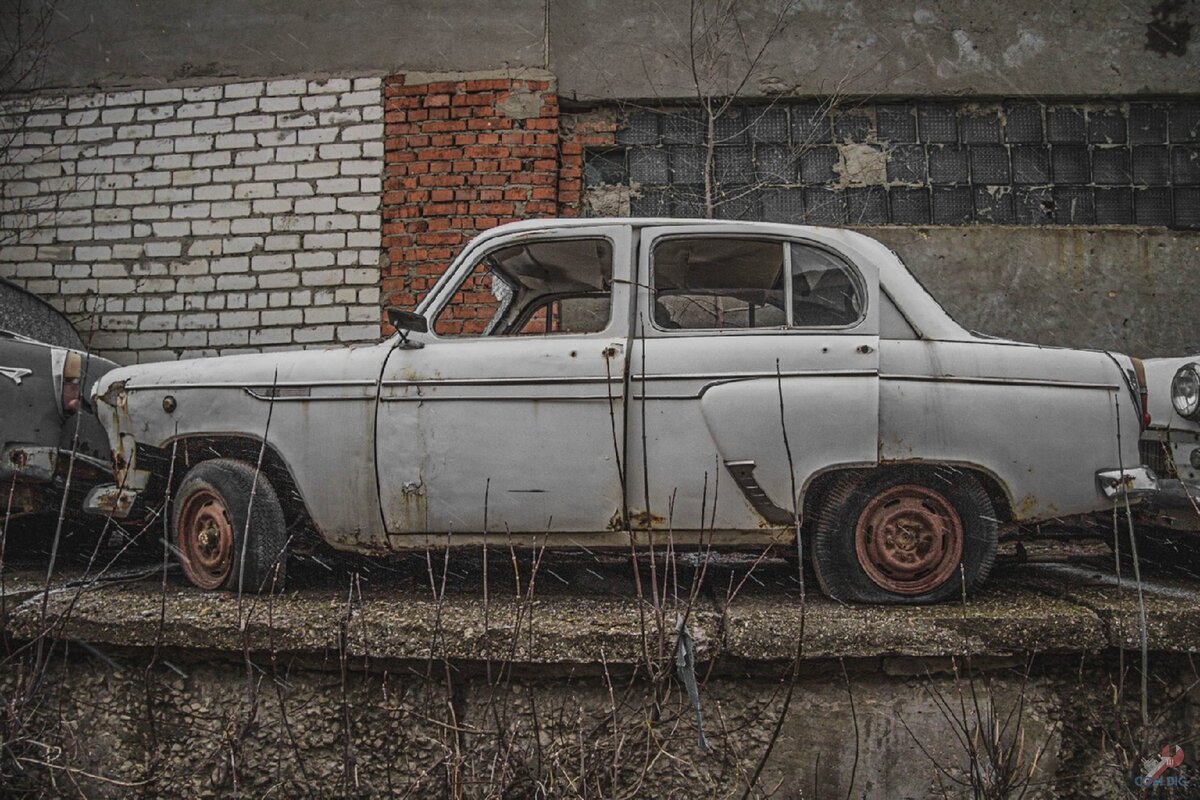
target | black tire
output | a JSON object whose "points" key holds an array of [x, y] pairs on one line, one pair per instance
{"points": [[214, 503], [953, 504]]}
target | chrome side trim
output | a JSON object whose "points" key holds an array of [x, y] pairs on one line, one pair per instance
{"points": [[245, 384], [285, 394], [502, 398], [741, 376], [532, 380], [1000, 381]]}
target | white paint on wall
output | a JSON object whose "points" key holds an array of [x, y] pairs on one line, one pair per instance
{"points": [[202, 220]]}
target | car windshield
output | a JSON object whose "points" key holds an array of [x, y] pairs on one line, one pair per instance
{"points": [[26, 314]]}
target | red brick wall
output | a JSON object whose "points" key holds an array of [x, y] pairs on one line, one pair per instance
{"points": [[461, 157]]}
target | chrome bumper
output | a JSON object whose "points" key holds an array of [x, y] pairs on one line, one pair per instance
{"points": [[109, 501], [1132, 483]]}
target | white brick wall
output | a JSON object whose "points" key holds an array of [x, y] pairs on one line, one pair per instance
{"points": [[199, 221]]}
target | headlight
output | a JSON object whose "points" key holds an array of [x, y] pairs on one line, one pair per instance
{"points": [[1185, 391]]}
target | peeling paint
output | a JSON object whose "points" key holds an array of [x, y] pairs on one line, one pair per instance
{"points": [[861, 165], [520, 104], [611, 201]]}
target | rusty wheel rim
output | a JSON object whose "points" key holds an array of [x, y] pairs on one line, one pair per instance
{"points": [[205, 539], [909, 539]]}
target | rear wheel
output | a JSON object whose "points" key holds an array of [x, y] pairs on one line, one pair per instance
{"points": [[904, 536], [225, 539]]}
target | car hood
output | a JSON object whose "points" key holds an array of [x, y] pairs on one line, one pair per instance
{"points": [[1159, 372], [252, 369]]}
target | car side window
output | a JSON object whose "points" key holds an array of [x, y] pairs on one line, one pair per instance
{"points": [[533, 289], [719, 283], [722, 282], [825, 291]]}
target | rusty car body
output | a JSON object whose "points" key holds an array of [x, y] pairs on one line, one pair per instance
{"points": [[603, 382], [53, 447]]}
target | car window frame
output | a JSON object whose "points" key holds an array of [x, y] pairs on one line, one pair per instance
{"points": [[555, 297], [470, 259], [787, 329]]}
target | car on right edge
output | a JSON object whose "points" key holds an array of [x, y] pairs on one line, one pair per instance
{"points": [[1169, 518]]}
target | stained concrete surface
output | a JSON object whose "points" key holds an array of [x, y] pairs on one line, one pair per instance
{"points": [[584, 610], [151, 42], [640, 50]]}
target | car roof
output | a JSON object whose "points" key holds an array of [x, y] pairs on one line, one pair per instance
{"points": [[10, 314]]}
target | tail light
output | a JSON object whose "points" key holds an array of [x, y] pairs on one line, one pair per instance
{"points": [[67, 368], [1139, 369]]}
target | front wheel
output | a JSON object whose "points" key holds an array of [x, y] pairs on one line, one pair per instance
{"points": [[906, 535], [225, 538]]}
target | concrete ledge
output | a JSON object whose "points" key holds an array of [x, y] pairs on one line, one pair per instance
{"points": [[1004, 621], [1045, 608]]}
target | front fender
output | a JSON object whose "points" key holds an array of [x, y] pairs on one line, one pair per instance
{"points": [[315, 409]]}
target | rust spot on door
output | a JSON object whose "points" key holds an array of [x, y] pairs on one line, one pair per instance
{"points": [[646, 519]]}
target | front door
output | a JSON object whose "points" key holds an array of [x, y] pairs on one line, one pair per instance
{"points": [[511, 418]]}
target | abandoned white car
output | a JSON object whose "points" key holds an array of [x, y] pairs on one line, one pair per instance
{"points": [[604, 382]]}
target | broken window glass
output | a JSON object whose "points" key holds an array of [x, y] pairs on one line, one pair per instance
{"points": [[825, 292], [534, 289], [718, 283]]}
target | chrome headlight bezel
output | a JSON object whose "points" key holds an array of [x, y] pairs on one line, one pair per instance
{"points": [[1185, 391]]}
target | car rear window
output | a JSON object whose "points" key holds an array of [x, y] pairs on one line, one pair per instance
{"points": [[28, 315]]}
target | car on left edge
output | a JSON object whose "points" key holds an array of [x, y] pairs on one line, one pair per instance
{"points": [[53, 450]]}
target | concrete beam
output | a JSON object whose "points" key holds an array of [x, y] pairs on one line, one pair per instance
{"points": [[626, 49], [631, 49], [140, 42]]}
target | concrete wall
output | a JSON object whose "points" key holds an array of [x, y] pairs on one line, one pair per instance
{"points": [[1126, 289], [630, 49], [404, 730], [863, 47], [156, 42]]}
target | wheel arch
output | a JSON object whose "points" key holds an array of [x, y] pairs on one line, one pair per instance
{"points": [[192, 449], [815, 488]]}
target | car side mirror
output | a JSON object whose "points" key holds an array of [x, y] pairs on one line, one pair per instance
{"points": [[406, 322]]}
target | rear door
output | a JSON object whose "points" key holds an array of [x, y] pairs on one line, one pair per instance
{"points": [[729, 326]]}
